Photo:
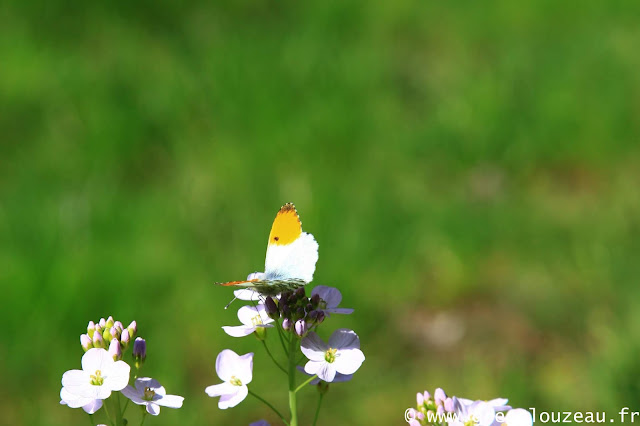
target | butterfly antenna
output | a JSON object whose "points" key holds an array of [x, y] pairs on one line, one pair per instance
{"points": [[229, 304]]}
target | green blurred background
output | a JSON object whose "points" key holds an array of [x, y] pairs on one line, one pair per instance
{"points": [[471, 172]]}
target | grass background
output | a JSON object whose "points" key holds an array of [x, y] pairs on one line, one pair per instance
{"points": [[471, 172]]}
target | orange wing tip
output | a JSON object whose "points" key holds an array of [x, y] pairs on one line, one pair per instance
{"points": [[287, 208], [230, 283]]}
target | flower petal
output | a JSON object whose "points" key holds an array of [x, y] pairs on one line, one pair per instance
{"points": [[220, 389], [331, 295], [313, 347], [73, 400], [238, 330], [117, 376], [226, 364], [344, 338], [247, 294], [518, 417], [93, 406], [153, 408], [247, 315], [96, 359], [75, 381], [134, 394], [231, 400], [171, 401], [348, 361], [245, 372], [344, 311]]}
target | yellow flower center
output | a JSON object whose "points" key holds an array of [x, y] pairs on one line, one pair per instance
{"points": [[256, 320], [148, 394], [330, 355], [235, 381], [473, 421], [97, 379]]}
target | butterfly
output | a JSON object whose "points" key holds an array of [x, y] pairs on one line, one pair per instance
{"points": [[291, 257]]}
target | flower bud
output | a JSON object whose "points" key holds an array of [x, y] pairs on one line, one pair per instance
{"points": [[313, 315], [420, 399], [440, 410], [115, 350], [118, 325], [427, 395], [115, 333], [439, 396], [124, 338], [309, 307], [286, 324], [321, 317], [300, 293], [139, 351], [102, 323], [271, 307], [86, 342], [106, 335], [286, 311], [300, 313], [109, 322], [448, 405], [91, 328], [315, 300], [301, 327], [133, 329], [284, 298], [98, 341]]}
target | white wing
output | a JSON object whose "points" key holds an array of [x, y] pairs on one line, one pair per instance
{"points": [[296, 260]]}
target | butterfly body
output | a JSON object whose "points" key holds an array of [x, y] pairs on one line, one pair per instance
{"points": [[291, 256]]}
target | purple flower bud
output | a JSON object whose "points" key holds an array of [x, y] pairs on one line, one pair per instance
{"points": [[115, 350], [139, 350], [309, 307], [420, 415], [102, 322], [109, 322], [271, 307], [301, 327], [286, 311], [313, 315], [91, 326], [411, 413], [440, 410], [427, 395], [286, 324], [300, 293], [448, 405], [439, 396], [320, 317], [114, 332], [124, 338], [133, 329], [118, 325], [315, 300], [284, 297], [420, 399], [98, 341], [86, 342]]}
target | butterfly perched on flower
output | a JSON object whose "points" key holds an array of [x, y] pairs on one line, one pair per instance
{"points": [[291, 257]]}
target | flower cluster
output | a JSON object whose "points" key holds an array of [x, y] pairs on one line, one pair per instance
{"points": [[296, 318], [454, 411], [103, 372]]}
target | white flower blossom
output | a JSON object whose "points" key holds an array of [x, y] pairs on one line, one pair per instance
{"points": [[236, 371], [341, 355], [251, 318], [150, 393]]}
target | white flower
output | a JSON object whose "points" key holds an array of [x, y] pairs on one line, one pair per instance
{"points": [[236, 371], [100, 375], [516, 417], [337, 379], [89, 405], [341, 355], [481, 413], [149, 392], [332, 298], [251, 318]]}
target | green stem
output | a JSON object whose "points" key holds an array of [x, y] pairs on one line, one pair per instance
{"points": [[144, 416], [306, 382], [91, 419], [293, 343], [315, 419], [105, 404], [255, 395], [119, 421], [272, 358]]}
